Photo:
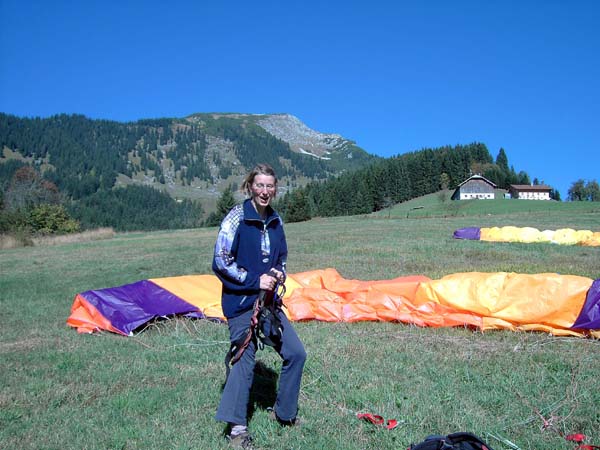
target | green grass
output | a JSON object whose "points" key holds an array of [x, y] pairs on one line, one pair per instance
{"points": [[160, 389], [563, 214]]}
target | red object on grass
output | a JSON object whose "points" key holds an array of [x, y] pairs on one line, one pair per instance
{"points": [[576, 437], [378, 420]]}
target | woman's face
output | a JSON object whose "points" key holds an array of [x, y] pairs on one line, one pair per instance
{"points": [[263, 190]]}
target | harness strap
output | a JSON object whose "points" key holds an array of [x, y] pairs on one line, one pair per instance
{"points": [[238, 347]]}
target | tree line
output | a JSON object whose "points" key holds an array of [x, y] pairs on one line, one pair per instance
{"points": [[398, 179], [581, 190]]}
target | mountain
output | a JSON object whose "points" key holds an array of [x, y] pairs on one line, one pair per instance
{"points": [[170, 172], [308, 153], [194, 157], [304, 140]]}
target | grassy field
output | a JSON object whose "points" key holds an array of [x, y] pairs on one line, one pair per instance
{"points": [[160, 388], [440, 205]]}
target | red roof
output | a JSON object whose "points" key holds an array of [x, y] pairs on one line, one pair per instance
{"points": [[531, 187]]}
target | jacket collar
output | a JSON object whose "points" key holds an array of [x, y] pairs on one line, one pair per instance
{"points": [[250, 212]]}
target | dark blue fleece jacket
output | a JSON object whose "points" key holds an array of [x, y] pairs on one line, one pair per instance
{"points": [[246, 248]]}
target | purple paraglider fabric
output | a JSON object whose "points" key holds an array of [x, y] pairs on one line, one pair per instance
{"points": [[129, 306], [589, 317], [471, 233]]}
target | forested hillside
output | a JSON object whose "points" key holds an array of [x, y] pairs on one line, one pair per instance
{"points": [[155, 173], [159, 173], [82, 155]]}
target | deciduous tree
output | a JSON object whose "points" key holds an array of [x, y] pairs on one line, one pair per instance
{"points": [[592, 191], [577, 191], [28, 189]]}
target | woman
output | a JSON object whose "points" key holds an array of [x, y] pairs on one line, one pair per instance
{"points": [[250, 256]]}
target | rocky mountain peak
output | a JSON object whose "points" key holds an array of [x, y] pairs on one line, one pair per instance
{"points": [[300, 137]]}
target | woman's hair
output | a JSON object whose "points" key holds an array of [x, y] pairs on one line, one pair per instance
{"points": [[259, 169]]}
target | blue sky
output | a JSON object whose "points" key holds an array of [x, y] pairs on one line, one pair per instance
{"points": [[394, 76]]}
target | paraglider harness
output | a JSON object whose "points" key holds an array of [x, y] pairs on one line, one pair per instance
{"points": [[454, 441], [265, 326]]}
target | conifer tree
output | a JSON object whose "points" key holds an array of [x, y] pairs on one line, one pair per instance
{"points": [[297, 210], [224, 204], [502, 160]]}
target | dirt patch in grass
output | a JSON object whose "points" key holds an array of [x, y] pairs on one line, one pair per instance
{"points": [[85, 236], [22, 345], [8, 241]]}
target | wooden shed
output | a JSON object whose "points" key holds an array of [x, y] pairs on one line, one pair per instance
{"points": [[475, 186]]}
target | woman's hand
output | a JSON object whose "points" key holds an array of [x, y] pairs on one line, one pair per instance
{"points": [[279, 275], [267, 282]]}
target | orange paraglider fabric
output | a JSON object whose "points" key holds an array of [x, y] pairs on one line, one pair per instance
{"points": [[87, 319]]}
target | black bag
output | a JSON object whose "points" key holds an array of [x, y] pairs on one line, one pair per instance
{"points": [[269, 328], [454, 441]]}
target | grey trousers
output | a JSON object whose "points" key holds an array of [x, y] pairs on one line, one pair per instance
{"points": [[233, 407]]}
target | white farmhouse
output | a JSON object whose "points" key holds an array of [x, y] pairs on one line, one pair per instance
{"points": [[530, 192]]}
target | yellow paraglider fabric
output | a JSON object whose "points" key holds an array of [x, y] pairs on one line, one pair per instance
{"points": [[203, 291], [563, 236], [545, 302]]}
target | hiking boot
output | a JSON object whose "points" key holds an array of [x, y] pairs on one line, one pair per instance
{"points": [[241, 441], [295, 422]]}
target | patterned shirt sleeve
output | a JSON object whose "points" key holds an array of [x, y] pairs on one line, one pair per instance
{"points": [[224, 260]]}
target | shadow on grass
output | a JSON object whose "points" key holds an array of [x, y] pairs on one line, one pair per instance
{"points": [[263, 391]]}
